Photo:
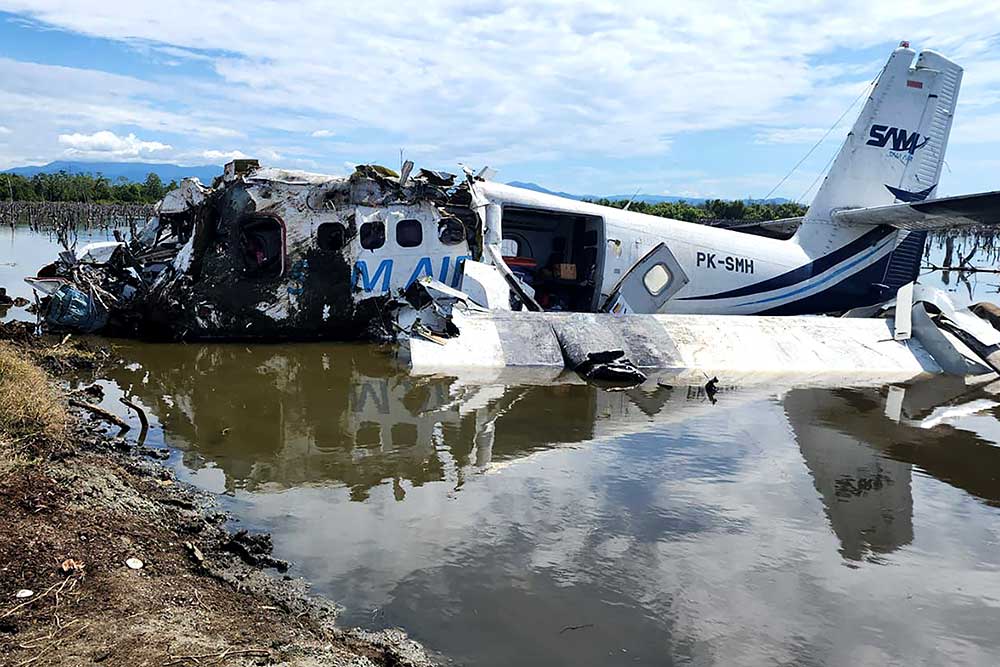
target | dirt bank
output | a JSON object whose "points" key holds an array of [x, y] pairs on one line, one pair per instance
{"points": [[79, 506]]}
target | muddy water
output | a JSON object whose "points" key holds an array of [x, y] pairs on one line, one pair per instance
{"points": [[506, 522]]}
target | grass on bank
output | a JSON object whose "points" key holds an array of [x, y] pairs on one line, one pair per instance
{"points": [[30, 408]]}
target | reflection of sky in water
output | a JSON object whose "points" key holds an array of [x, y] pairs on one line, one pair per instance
{"points": [[797, 525], [785, 525]]}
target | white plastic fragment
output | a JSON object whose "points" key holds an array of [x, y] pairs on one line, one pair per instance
{"points": [[134, 563], [24, 593], [190, 194]]}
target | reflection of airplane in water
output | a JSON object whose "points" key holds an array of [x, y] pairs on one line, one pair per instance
{"points": [[284, 415], [280, 416], [860, 446]]}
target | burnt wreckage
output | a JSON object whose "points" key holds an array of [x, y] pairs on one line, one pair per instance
{"points": [[268, 253]]}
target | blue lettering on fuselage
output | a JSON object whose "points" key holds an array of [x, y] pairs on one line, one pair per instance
{"points": [[381, 279]]}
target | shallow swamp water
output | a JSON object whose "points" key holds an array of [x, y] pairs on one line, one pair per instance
{"points": [[504, 522]]}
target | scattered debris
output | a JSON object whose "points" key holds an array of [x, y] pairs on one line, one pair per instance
{"points": [[569, 628], [143, 420], [95, 391], [102, 413], [255, 549], [195, 553], [71, 566]]}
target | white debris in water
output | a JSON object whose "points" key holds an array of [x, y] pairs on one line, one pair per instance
{"points": [[945, 414]]}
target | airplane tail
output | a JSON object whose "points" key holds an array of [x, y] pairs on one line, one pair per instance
{"points": [[893, 155], [896, 149]]}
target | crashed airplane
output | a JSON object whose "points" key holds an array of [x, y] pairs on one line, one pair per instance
{"points": [[537, 280]]}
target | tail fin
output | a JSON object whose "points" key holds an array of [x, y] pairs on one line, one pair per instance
{"points": [[896, 148]]}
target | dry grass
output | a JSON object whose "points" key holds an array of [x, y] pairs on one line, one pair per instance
{"points": [[30, 408], [62, 357]]}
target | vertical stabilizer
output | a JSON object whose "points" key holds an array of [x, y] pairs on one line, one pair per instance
{"points": [[896, 149]]}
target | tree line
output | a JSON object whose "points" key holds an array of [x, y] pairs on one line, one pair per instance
{"points": [[97, 188], [714, 209], [92, 188]]}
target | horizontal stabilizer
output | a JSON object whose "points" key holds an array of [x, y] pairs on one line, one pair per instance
{"points": [[946, 213]]}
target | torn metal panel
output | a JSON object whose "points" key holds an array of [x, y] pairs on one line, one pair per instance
{"points": [[273, 253], [189, 195]]}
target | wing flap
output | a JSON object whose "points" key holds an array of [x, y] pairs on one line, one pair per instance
{"points": [[944, 213]]}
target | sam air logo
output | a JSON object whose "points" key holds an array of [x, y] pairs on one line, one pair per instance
{"points": [[901, 140]]}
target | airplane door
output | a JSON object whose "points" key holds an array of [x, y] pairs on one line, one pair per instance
{"points": [[648, 285]]}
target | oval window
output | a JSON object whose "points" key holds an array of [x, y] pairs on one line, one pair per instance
{"points": [[372, 235], [409, 233], [656, 279]]}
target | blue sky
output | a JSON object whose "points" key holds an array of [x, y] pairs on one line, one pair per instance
{"points": [[696, 99]]}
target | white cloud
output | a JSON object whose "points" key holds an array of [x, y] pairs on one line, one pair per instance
{"points": [[796, 135], [215, 156], [108, 144], [496, 83], [4, 130]]}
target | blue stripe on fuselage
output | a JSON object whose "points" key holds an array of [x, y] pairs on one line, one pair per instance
{"points": [[825, 279], [804, 272]]}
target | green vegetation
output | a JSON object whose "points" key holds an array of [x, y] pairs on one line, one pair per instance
{"points": [[714, 209], [63, 186]]}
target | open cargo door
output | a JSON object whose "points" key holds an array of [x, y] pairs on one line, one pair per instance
{"points": [[648, 285]]}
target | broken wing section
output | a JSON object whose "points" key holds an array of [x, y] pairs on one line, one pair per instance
{"points": [[934, 214]]}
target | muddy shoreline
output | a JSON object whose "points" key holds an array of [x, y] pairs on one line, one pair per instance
{"points": [[79, 509]]}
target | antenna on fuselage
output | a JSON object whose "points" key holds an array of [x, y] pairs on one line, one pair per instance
{"points": [[798, 164], [632, 198]]}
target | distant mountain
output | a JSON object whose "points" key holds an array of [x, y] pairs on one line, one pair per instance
{"points": [[648, 199], [537, 188], [133, 171]]}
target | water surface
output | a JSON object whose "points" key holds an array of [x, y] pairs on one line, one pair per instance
{"points": [[537, 523]]}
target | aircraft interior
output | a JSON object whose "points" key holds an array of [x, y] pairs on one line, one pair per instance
{"points": [[557, 254]]}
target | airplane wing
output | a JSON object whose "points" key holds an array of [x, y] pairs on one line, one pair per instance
{"points": [[945, 213]]}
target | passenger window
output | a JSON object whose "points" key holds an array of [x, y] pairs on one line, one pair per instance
{"points": [[409, 233], [509, 248], [451, 231], [656, 279], [330, 236], [372, 235], [262, 243]]}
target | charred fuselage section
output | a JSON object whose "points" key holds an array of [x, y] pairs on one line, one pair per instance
{"points": [[267, 253]]}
